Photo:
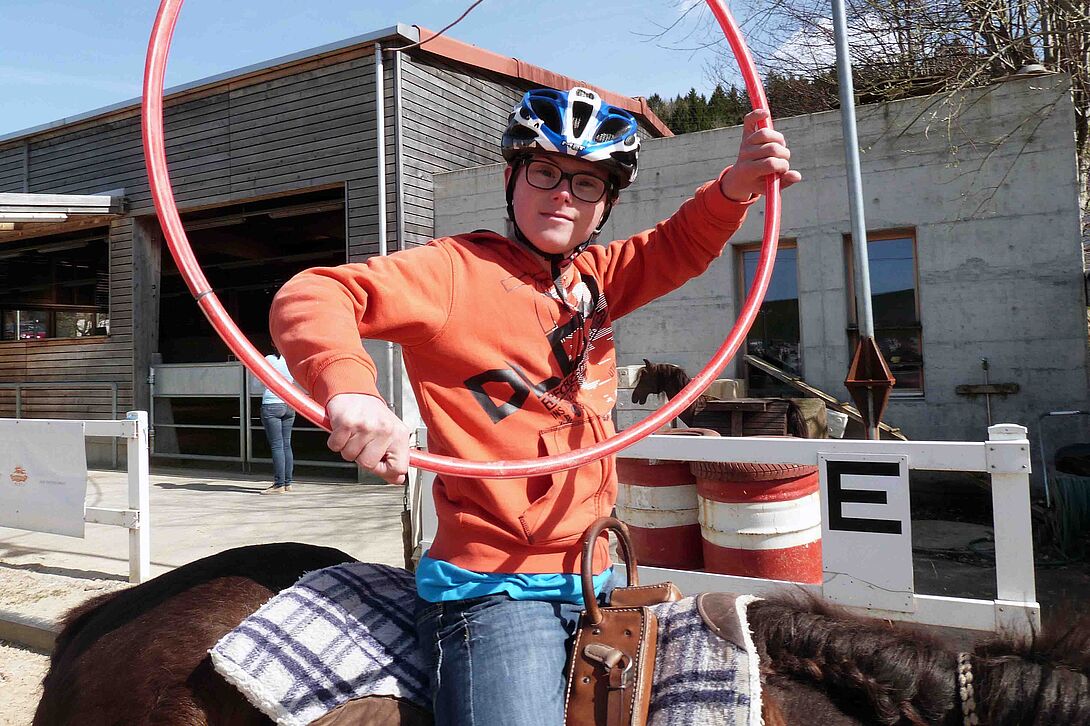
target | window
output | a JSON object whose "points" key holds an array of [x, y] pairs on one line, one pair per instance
{"points": [[895, 303], [774, 336], [55, 290]]}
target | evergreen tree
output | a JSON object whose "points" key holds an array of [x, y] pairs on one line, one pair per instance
{"points": [[697, 111]]}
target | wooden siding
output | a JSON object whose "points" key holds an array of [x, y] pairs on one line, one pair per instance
{"points": [[279, 132], [70, 364], [451, 119], [12, 168], [273, 136]]}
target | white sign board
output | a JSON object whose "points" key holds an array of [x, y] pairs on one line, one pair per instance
{"points": [[43, 475], [866, 530]]}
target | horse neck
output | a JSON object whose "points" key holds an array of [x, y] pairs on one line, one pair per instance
{"points": [[675, 382]]}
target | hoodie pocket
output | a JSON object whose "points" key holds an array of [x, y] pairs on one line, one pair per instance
{"points": [[574, 497]]}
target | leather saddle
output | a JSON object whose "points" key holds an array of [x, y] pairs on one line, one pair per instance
{"points": [[613, 656]]}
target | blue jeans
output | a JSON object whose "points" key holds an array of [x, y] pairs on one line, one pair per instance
{"points": [[278, 418], [495, 661]]}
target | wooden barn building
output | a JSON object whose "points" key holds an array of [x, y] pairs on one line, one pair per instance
{"points": [[317, 158]]}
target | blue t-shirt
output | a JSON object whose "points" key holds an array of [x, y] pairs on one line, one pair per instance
{"points": [[440, 581]]}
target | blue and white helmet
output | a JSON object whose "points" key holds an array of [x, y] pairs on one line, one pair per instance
{"points": [[577, 123]]}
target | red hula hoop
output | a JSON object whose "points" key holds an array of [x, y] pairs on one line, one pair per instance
{"points": [[178, 243]]}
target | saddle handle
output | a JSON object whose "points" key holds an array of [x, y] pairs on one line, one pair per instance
{"points": [[590, 602]]}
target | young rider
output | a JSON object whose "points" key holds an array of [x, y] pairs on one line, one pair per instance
{"points": [[508, 344]]}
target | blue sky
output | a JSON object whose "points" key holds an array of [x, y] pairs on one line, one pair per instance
{"points": [[62, 58]]}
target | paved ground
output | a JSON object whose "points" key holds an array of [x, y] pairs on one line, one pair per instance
{"points": [[197, 514], [192, 515]]}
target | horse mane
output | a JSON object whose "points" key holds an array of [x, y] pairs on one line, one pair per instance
{"points": [[881, 674], [902, 675], [1039, 680]]}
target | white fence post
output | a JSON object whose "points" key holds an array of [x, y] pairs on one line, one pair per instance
{"points": [[1009, 465], [139, 495]]}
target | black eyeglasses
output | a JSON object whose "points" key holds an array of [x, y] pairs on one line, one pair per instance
{"points": [[545, 175]]}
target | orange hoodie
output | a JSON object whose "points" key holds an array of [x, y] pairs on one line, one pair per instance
{"points": [[501, 367]]}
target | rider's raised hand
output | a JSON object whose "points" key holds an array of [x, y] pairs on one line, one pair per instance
{"points": [[762, 152], [367, 432]]}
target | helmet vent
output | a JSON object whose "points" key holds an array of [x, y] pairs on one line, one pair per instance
{"points": [[581, 112], [548, 114], [611, 129]]}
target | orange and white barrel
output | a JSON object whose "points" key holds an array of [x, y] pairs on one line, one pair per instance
{"points": [[760, 520], [657, 499]]}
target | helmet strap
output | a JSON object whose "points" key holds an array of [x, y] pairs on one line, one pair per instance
{"points": [[556, 260]]}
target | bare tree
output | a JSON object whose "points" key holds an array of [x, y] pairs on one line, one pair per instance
{"points": [[905, 48]]}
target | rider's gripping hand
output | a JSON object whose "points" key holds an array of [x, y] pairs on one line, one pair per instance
{"points": [[367, 432], [762, 152]]}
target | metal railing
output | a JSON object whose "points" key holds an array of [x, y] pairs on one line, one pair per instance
{"points": [[65, 386], [229, 381]]}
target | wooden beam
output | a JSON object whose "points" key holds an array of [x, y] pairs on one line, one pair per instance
{"points": [[29, 231], [798, 384]]}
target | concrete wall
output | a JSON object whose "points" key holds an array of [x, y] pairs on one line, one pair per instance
{"points": [[988, 183]]}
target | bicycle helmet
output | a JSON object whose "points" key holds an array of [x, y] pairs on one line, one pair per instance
{"points": [[577, 123]]}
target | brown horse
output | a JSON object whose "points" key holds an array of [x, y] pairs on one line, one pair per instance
{"points": [[670, 379], [139, 656]]}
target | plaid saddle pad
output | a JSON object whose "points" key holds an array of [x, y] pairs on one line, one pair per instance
{"points": [[347, 631], [340, 633]]}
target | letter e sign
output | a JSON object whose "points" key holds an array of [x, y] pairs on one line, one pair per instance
{"points": [[866, 530]]}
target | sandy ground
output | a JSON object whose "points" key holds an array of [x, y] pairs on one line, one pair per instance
{"points": [[43, 596], [193, 515], [21, 672]]}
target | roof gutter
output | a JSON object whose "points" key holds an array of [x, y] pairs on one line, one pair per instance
{"points": [[464, 52], [383, 246], [51, 207]]}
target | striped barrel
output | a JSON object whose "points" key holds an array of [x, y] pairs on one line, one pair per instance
{"points": [[657, 500], [760, 520]]}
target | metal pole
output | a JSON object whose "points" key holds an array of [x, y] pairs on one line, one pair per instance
{"points": [[855, 188], [397, 390], [380, 142], [248, 413], [243, 423], [987, 396], [113, 417], [151, 410]]}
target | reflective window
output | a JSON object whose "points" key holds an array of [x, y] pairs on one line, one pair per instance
{"points": [[55, 288], [895, 306], [775, 336]]}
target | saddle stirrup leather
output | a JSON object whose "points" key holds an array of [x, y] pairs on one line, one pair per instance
{"points": [[613, 655]]}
